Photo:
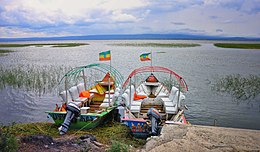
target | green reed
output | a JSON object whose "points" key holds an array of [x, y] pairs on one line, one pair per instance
{"points": [[179, 45], [238, 45], [44, 44], [242, 88], [40, 79]]}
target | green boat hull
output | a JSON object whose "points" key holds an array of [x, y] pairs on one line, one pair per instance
{"points": [[84, 121]]}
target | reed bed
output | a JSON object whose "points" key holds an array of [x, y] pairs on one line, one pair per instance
{"points": [[238, 45], [40, 79], [4, 52], [177, 45], [44, 44], [242, 88]]}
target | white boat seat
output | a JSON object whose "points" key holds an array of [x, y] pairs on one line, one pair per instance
{"points": [[136, 103], [104, 105], [81, 87], [63, 96], [75, 95], [107, 96], [171, 110], [169, 104], [135, 109]]}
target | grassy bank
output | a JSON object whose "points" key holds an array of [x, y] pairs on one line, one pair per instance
{"points": [[45, 44], [178, 45], [236, 45], [106, 134]]}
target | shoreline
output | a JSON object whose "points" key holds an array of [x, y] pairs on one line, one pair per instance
{"points": [[204, 138], [172, 138]]}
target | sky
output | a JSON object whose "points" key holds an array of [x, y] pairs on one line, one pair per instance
{"points": [[52, 18]]}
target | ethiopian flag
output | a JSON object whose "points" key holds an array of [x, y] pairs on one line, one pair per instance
{"points": [[104, 56], [145, 57]]}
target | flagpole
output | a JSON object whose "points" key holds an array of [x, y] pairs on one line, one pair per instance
{"points": [[151, 58], [109, 80]]}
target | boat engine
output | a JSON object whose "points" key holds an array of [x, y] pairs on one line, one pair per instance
{"points": [[73, 110], [155, 118]]}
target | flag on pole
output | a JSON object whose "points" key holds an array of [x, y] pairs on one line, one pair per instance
{"points": [[105, 56], [145, 57]]}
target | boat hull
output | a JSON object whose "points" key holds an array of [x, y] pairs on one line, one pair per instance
{"points": [[84, 121]]}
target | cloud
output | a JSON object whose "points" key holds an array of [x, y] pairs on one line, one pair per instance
{"points": [[21, 18]]}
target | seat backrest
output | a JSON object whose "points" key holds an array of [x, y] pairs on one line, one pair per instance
{"points": [[181, 98], [132, 92], [74, 92], [81, 87], [173, 93], [146, 89], [125, 98], [63, 96]]}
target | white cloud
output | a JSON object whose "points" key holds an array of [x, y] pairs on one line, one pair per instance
{"points": [[83, 17]]}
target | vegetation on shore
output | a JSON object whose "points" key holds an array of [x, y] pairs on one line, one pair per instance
{"points": [[112, 133], [177, 45], [238, 45], [32, 78], [44, 44], [242, 88]]}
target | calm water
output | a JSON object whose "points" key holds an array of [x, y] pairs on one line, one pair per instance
{"points": [[199, 66]]}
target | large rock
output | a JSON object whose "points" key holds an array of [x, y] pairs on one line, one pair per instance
{"points": [[175, 138]]}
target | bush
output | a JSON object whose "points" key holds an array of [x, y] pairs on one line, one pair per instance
{"points": [[8, 142], [118, 147]]}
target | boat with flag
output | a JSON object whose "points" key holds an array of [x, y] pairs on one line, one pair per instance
{"points": [[153, 96], [89, 94]]}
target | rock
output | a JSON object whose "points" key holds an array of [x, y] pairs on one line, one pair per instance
{"points": [[91, 137], [178, 138]]}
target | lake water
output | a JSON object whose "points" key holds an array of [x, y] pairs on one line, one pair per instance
{"points": [[199, 66]]}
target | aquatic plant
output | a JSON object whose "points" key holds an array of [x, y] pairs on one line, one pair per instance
{"points": [[238, 45], [40, 79], [44, 44], [242, 88], [3, 52], [156, 44]]}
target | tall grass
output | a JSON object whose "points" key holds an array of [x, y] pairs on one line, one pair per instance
{"points": [[242, 88], [44, 44], [238, 45], [40, 79]]}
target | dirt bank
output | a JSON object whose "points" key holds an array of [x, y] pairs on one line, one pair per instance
{"points": [[175, 138]]}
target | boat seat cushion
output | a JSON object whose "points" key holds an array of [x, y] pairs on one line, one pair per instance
{"points": [[63, 96], [104, 105], [85, 94], [171, 110], [74, 92], [136, 103], [169, 104], [135, 109], [81, 87]]}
